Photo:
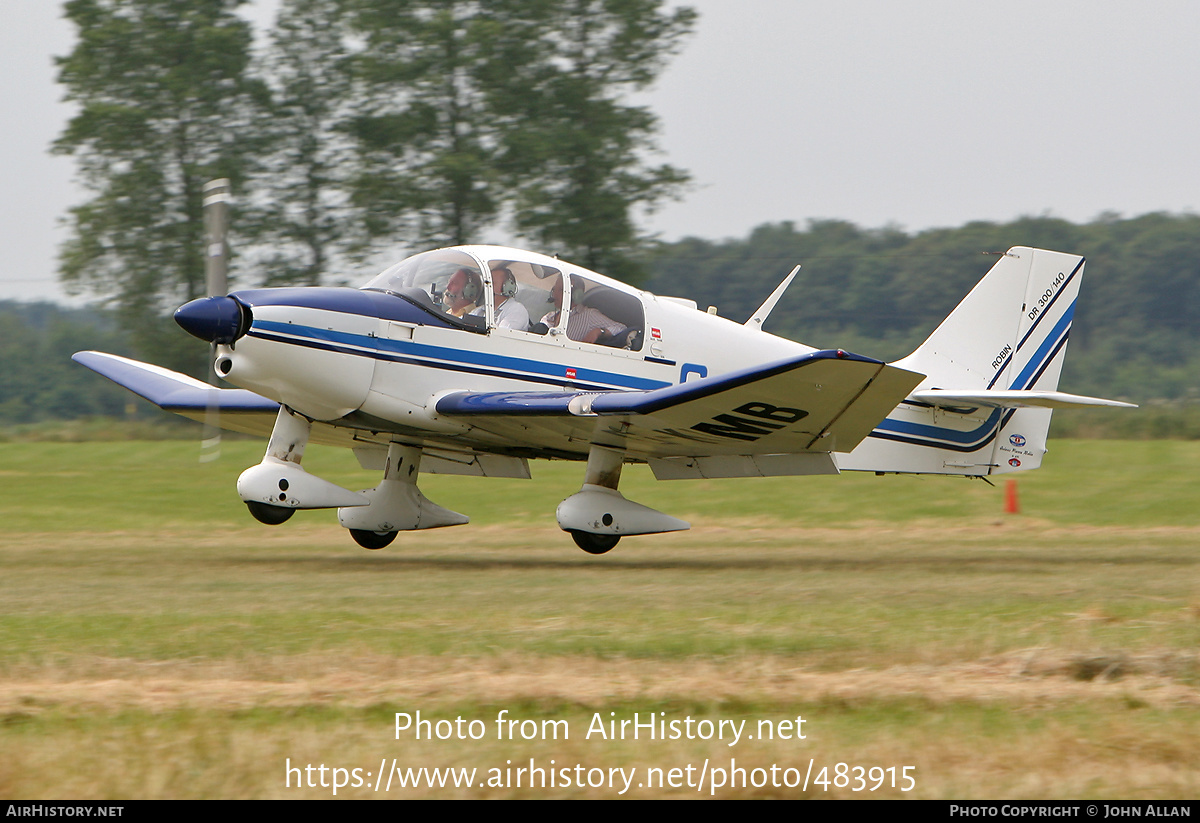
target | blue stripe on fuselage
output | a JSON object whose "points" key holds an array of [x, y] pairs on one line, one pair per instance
{"points": [[947, 438], [455, 359]]}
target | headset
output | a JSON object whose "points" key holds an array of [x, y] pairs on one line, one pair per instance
{"points": [[471, 289], [576, 291], [509, 287]]}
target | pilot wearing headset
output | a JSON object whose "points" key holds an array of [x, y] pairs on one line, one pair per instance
{"points": [[462, 293], [509, 313]]}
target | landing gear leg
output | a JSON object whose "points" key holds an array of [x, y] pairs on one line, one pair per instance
{"points": [[277, 486], [396, 504], [598, 515]]}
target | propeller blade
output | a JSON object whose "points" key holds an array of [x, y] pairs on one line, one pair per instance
{"points": [[216, 213], [210, 442]]}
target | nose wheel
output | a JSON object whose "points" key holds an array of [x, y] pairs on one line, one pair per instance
{"points": [[594, 543]]}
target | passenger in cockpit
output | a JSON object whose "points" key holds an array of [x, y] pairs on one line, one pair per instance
{"points": [[584, 323], [508, 312]]}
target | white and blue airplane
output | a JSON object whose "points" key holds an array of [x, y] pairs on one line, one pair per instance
{"points": [[473, 360]]}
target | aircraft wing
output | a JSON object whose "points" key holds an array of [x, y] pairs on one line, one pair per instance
{"points": [[819, 402], [171, 391], [244, 411], [785, 417]]}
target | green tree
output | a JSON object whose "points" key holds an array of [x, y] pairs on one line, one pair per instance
{"points": [[164, 103], [427, 148], [573, 150], [476, 111], [302, 219], [38, 381]]}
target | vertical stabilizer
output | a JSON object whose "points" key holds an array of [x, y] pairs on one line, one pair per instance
{"points": [[1009, 333], [1037, 357]]}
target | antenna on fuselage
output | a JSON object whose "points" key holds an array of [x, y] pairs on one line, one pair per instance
{"points": [[759, 317]]}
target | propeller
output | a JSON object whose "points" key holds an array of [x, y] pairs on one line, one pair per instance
{"points": [[216, 194]]}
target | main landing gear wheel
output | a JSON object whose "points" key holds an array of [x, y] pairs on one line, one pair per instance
{"points": [[372, 540], [594, 543], [266, 513]]}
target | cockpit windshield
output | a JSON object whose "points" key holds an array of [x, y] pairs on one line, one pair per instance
{"points": [[446, 282], [429, 272]]}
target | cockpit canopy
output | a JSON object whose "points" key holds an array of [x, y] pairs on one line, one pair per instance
{"points": [[452, 282]]}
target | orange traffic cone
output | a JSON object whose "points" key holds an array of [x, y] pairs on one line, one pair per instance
{"points": [[1011, 504]]}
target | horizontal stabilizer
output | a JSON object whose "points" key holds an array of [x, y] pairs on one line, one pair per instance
{"points": [[1012, 399]]}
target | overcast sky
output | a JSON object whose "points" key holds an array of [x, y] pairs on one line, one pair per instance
{"points": [[921, 114]]}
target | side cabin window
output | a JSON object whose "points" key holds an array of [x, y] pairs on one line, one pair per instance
{"points": [[602, 315], [522, 294], [446, 282]]}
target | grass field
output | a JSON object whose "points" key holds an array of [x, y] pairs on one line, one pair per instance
{"points": [[157, 642]]}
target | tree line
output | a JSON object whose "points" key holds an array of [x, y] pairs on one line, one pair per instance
{"points": [[877, 292], [880, 292], [424, 122], [38, 381]]}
